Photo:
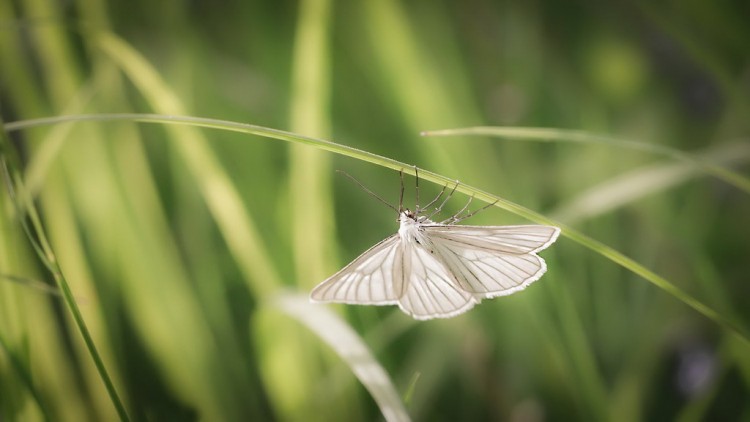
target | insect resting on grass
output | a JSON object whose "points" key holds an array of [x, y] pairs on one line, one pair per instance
{"points": [[439, 269]]}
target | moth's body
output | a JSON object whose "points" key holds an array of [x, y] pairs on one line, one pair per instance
{"points": [[410, 229]]}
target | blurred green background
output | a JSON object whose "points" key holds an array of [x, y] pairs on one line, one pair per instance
{"points": [[175, 241]]}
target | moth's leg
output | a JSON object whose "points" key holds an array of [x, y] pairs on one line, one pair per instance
{"points": [[456, 218], [436, 198], [401, 196], [445, 201], [416, 190]]}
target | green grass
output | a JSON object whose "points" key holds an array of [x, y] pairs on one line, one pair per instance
{"points": [[182, 257]]}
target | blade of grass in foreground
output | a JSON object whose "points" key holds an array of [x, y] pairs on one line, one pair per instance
{"points": [[349, 346], [502, 203], [237, 226], [38, 237], [575, 136]]}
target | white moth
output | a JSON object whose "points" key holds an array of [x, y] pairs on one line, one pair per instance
{"points": [[439, 269]]}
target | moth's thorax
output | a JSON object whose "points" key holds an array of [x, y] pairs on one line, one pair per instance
{"points": [[410, 227]]}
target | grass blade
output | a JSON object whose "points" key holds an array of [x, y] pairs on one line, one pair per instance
{"points": [[628, 187], [351, 348], [25, 208], [576, 136]]}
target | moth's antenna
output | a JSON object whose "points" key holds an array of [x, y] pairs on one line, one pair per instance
{"points": [[373, 193]]}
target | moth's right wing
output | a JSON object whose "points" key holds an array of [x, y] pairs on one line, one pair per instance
{"points": [[490, 261], [510, 240], [374, 278]]}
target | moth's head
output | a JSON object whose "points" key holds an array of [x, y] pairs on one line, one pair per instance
{"points": [[407, 213]]}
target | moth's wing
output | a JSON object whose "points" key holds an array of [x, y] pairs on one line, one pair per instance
{"points": [[431, 290], [375, 278], [490, 261], [503, 239]]}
